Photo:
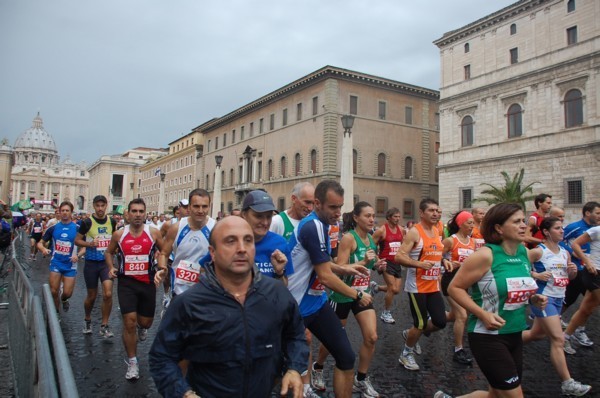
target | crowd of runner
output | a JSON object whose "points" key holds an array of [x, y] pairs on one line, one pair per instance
{"points": [[302, 271]]}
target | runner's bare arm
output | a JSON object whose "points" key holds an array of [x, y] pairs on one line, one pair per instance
{"points": [[110, 253], [402, 257]]}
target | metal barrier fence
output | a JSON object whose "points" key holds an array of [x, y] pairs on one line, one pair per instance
{"points": [[36, 366]]}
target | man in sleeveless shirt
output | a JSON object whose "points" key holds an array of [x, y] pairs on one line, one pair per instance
{"points": [[478, 214], [421, 253], [94, 234], [389, 238], [135, 246], [543, 204], [303, 200]]}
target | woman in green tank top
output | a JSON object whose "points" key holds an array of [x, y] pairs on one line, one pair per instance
{"points": [[357, 246], [499, 276]]}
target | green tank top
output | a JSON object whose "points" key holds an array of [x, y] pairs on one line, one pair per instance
{"points": [[356, 282], [505, 290], [288, 227]]}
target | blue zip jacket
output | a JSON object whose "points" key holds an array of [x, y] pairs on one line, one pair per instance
{"points": [[234, 350]]}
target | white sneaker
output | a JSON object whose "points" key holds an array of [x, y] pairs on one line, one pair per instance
{"points": [[441, 394], [582, 338], [316, 378], [142, 333], [310, 393], [408, 361], [374, 288], [417, 346], [133, 370], [386, 316], [568, 347], [87, 327], [105, 331], [573, 387], [365, 387]]}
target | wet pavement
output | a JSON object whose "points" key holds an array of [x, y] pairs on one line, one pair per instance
{"points": [[99, 364]]}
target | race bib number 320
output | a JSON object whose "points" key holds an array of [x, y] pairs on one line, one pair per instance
{"points": [[187, 272]]}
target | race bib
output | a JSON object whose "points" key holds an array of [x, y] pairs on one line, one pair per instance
{"points": [[361, 283], [560, 276], [187, 273], [63, 247], [463, 254], [136, 264], [103, 241], [37, 230], [316, 289], [394, 246], [433, 273], [519, 290], [478, 243]]}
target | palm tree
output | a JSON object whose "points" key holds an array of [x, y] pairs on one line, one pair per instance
{"points": [[511, 192]]}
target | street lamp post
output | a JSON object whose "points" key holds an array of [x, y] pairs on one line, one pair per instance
{"points": [[346, 169], [161, 195], [216, 204]]}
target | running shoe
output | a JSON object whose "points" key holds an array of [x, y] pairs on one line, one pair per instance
{"points": [[365, 388], [582, 338], [417, 347], [316, 379], [310, 393], [408, 360], [142, 333], [564, 323], [568, 347], [441, 394], [374, 288], [66, 305], [386, 317], [105, 331], [87, 327], [573, 387], [133, 370], [165, 304], [462, 357]]}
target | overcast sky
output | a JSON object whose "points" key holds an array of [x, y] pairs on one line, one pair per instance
{"points": [[111, 75]]}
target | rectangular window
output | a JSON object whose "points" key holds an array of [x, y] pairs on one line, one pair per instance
{"points": [[242, 133], [299, 112], [570, 5], [315, 106], [251, 129], [382, 109], [466, 197], [353, 105], [233, 136], [467, 72], [436, 120], [514, 55], [575, 192], [261, 125], [208, 146], [572, 35], [281, 204], [284, 117], [408, 209], [381, 206], [272, 121], [437, 147], [224, 140], [259, 166], [408, 115], [216, 143], [117, 185]]}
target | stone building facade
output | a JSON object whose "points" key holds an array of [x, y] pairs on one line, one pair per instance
{"points": [[294, 134], [520, 90]]}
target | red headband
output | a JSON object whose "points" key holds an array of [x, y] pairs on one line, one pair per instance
{"points": [[462, 217]]}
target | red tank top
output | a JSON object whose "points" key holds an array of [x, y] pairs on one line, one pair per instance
{"points": [[136, 255], [391, 243]]}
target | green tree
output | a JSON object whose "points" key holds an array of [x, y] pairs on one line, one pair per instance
{"points": [[511, 192]]}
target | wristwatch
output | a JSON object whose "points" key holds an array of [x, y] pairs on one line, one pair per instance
{"points": [[359, 295]]}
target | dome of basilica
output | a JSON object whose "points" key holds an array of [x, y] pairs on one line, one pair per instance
{"points": [[36, 138]]}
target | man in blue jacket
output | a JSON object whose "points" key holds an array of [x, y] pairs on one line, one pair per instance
{"points": [[237, 328]]}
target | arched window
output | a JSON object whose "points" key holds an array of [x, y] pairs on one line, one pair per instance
{"points": [[408, 167], [381, 158], [513, 29], [270, 169], [313, 160], [297, 164], [283, 165], [466, 128], [354, 161], [515, 121], [467, 48], [573, 108]]}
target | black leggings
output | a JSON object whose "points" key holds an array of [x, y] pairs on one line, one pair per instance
{"points": [[422, 304], [326, 326]]}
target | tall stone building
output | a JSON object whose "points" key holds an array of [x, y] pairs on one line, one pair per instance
{"points": [[294, 134], [520, 90], [38, 175]]}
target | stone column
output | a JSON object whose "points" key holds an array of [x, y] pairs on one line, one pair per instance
{"points": [[346, 171], [216, 200]]}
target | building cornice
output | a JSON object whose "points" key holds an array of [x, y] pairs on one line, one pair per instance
{"points": [[486, 22], [327, 72], [165, 159]]}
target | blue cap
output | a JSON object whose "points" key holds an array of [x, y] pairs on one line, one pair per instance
{"points": [[259, 201]]}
